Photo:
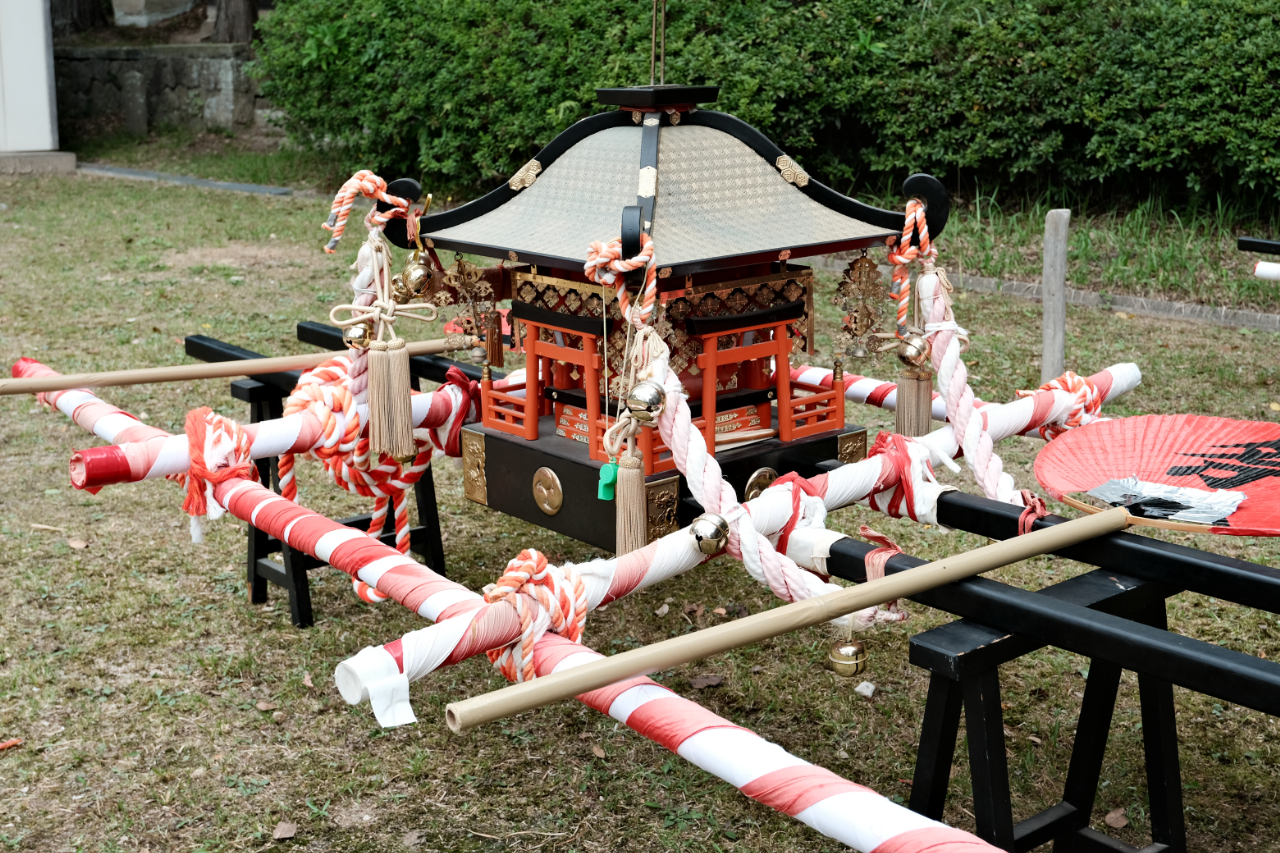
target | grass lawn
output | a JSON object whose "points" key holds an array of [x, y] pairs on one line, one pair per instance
{"points": [[134, 669]]}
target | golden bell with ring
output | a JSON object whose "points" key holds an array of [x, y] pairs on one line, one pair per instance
{"points": [[416, 277], [847, 658], [357, 335], [400, 291], [913, 351]]}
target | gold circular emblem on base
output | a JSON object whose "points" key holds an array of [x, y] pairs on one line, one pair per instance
{"points": [[547, 493]]}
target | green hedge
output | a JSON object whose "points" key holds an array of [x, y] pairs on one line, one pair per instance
{"points": [[1183, 94]]}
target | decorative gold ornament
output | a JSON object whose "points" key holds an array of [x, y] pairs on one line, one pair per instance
{"points": [[661, 500], [858, 295], [474, 482], [852, 446], [525, 177], [791, 171], [547, 493], [847, 658]]}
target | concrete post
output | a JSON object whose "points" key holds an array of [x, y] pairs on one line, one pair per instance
{"points": [[133, 97], [1053, 294]]}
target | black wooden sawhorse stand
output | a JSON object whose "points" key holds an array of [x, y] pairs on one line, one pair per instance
{"points": [[1114, 617], [266, 402], [963, 659], [265, 396]]}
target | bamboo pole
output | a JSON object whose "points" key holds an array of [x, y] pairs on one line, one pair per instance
{"points": [[529, 695], [214, 370]]}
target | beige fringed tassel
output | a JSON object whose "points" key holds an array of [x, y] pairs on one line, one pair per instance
{"points": [[390, 407], [632, 517]]}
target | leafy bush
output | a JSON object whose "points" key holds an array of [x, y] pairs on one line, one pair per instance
{"points": [[1141, 93]]}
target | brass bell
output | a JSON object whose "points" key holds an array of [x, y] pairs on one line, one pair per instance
{"points": [[479, 355], [416, 276], [913, 351], [710, 532], [407, 458], [847, 658], [357, 335], [646, 401], [400, 291], [859, 351]]}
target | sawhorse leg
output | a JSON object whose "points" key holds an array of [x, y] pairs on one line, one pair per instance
{"points": [[937, 747], [269, 474]]}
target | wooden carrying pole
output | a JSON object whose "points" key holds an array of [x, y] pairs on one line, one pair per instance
{"points": [[528, 695], [215, 370]]}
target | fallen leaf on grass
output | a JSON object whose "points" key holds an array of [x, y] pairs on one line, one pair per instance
{"points": [[1275, 407], [11, 743], [586, 736], [703, 681], [47, 527], [695, 610], [1116, 819], [720, 611], [78, 544], [597, 751], [306, 680], [1034, 739], [285, 831], [663, 610], [264, 705], [757, 668]]}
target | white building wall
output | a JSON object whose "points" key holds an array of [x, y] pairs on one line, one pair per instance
{"points": [[28, 108]]}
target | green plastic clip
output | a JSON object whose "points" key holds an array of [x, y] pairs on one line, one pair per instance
{"points": [[608, 478]]}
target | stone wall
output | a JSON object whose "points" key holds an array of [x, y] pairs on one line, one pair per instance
{"points": [[196, 86]]}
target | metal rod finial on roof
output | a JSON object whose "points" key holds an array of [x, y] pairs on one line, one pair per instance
{"points": [[658, 47]]}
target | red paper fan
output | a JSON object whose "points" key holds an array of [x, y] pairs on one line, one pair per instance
{"points": [[1191, 451]]}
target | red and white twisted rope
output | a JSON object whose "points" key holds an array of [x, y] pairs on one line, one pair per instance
{"points": [[606, 266], [363, 183], [902, 252]]}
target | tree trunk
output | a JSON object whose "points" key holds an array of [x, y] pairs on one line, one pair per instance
{"points": [[236, 19], [77, 16]]}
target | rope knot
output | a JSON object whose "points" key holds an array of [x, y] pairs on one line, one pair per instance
{"points": [[219, 451], [875, 562], [807, 508], [545, 597], [1035, 510], [1087, 405], [606, 266], [906, 484]]}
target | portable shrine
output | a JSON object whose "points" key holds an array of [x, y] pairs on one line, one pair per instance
{"points": [[729, 213]]}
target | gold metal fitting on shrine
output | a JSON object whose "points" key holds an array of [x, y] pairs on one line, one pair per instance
{"points": [[847, 658]]}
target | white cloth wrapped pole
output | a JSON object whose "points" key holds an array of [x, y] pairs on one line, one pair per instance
{"points": [[1268, 270]]}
